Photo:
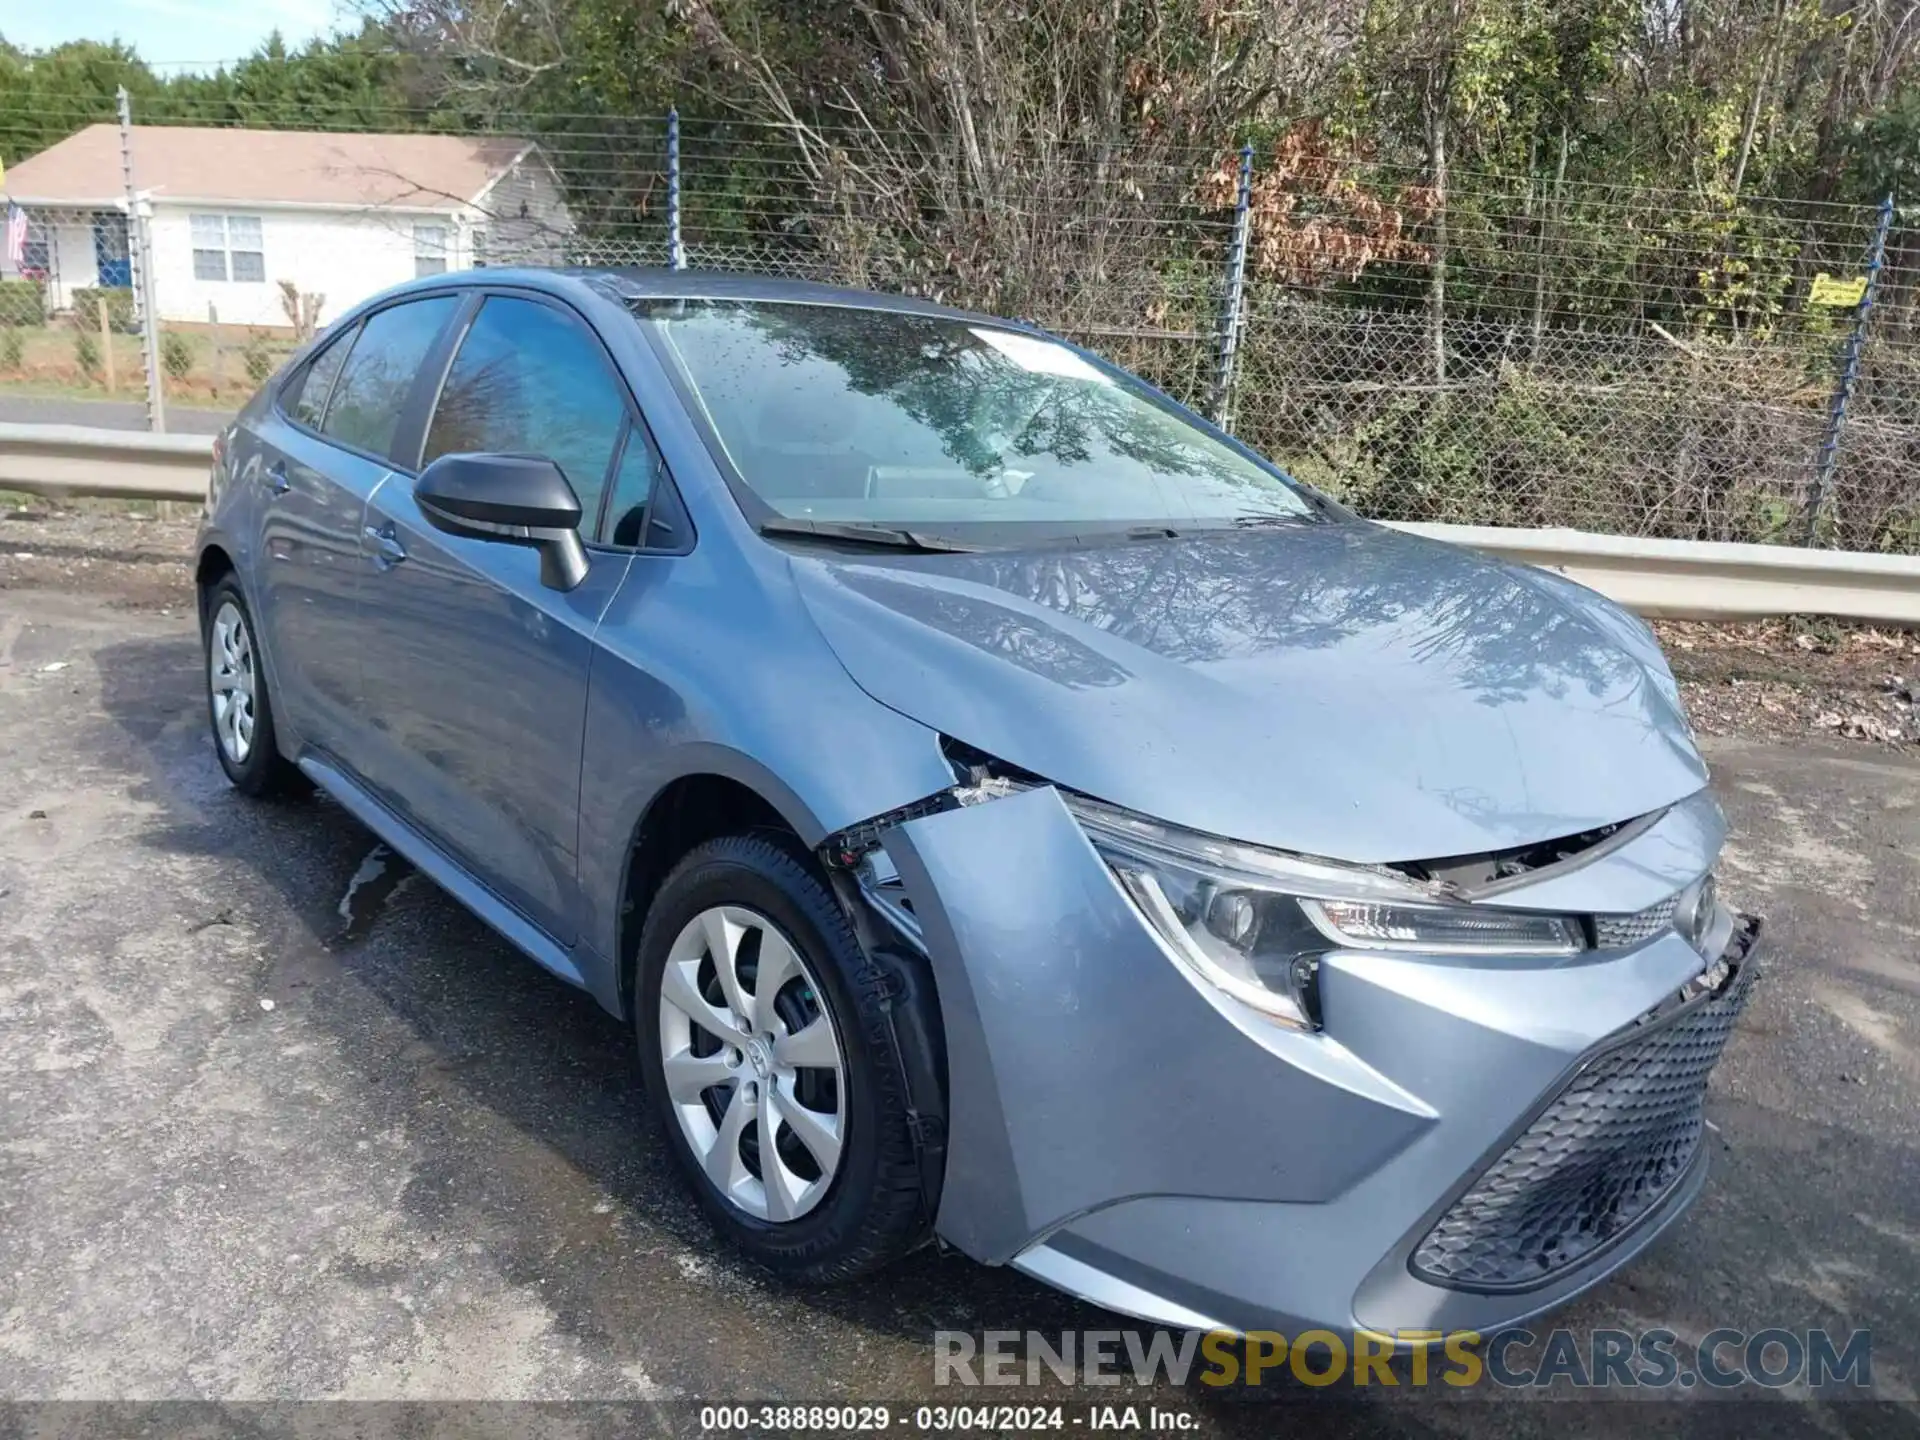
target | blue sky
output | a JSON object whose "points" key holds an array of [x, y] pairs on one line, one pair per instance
{"points": [[195, 34]]}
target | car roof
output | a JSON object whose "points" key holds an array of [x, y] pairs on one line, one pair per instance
{"points": [[630, 283]]}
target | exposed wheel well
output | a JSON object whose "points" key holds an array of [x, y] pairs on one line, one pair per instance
{"points": [[215, 564], [689, 812]]}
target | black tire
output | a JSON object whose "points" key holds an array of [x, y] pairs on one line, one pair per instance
{"points": [[264, 772], [871, 1212]]}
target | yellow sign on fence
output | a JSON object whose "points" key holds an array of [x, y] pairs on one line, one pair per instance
{"points": [[1841, 294]]}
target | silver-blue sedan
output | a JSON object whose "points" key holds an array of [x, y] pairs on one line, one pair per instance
{"points": [[1007, 809]]}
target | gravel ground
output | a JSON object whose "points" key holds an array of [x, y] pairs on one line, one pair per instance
{"points": [[131, 561]]}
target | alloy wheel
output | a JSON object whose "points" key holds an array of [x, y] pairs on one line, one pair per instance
{"points": [[231, 680], [753, 1067]]}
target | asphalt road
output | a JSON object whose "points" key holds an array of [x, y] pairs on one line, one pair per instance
{"points": [[109, 414], [269, 1135]]}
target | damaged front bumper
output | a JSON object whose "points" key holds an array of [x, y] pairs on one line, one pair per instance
{"points": [[1130, 1135]]}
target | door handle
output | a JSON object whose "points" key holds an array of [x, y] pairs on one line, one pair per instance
{"points": [[387, 549], [277, 481]]}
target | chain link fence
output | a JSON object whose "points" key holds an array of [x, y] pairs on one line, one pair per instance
{"points": [[1521, 351], [66, 336], [80, 336]]}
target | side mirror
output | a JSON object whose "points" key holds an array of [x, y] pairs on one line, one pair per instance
{"points": [[514, 499]]}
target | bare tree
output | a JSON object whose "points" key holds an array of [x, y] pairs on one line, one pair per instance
{"points": [[1016, 155], [480, 47], [302, 309]]}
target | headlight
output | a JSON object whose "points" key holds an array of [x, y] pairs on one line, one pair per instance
{"points": [[1442, 929], [1256, 922]]}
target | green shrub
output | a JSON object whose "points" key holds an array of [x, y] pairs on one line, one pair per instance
{"points": [[120, 318], [176, 355], [23, 302], [257, 358], [11, 347], [86, 351]]}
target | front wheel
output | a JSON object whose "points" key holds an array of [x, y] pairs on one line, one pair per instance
{"points": [[765, 1054], [238, 706]]}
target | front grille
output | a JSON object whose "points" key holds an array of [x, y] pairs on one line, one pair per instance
{"points": [[1623, 932], [1597, 1160]]}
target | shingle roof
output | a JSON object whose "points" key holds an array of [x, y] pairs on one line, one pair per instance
{"points": [[262, 166]]}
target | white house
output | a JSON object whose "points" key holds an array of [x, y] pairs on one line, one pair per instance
{"points": [[235, 212]]}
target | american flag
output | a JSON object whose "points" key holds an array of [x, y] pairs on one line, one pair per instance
{"points": [[16, 235]]}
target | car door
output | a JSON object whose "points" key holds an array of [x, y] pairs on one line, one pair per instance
{"points": [[322, 451], [477, 691]]}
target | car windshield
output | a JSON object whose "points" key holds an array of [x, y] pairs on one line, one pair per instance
{"points": [[845, 416]]}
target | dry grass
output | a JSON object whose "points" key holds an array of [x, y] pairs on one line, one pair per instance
{"points": [[50, 364]]}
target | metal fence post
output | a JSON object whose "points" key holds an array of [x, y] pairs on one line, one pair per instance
{"points": [[676, 253], [140, 270], [1829, 461], [1230, 309]]}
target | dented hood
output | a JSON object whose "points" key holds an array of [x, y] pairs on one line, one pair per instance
{"points": [[1341, 689]]}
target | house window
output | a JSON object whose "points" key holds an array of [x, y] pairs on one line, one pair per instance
{"points": [[228, 247], [479, 247], [429, 249]]}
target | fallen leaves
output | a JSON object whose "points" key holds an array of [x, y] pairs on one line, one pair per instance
{"points": [[1780, 679]]}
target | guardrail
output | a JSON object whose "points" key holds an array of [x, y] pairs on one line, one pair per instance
{"points": [[118, 464], [1704, 579], [1710, 579]]}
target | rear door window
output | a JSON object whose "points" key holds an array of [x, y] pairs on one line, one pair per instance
{"points": [[530, 380], [378, 376]]}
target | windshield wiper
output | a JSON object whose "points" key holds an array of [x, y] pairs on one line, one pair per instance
{"points": [[890, 537], [1267, 522]]}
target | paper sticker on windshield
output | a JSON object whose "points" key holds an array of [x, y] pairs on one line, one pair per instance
{"points": [[1039, 357]]}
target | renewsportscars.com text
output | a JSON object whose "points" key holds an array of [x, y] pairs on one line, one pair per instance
{"points": [[1603, 1359]]}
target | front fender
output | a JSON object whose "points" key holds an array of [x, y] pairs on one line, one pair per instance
{"points": [[702, 666]]}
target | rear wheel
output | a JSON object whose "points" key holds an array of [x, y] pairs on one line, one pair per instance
{"points": [[765, 1056], [238, 706]]}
